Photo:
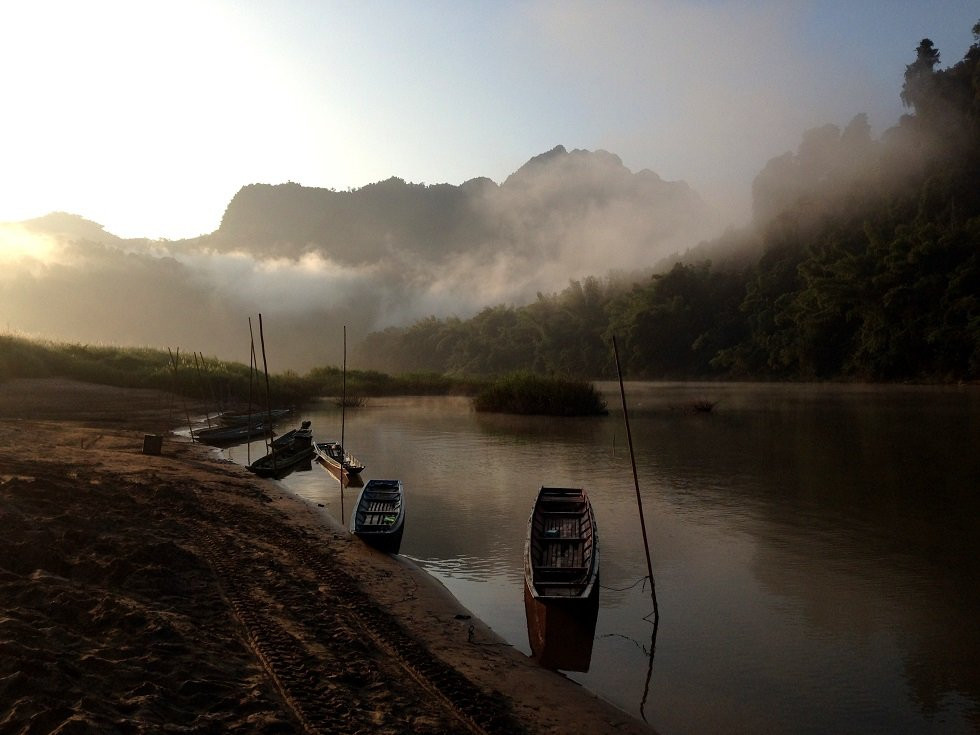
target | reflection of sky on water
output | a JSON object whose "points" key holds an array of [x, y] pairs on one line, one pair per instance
{"points": [[813, 546]]}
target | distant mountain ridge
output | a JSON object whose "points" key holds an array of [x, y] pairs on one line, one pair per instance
{"points": [[565, 192]]}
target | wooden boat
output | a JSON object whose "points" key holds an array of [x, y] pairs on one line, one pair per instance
{"points": [[224, 435], [561, 578], [346, 479], [379, 515], [284, 440], [333, 455], [285, 458]]}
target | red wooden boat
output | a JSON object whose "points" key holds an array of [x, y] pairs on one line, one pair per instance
{"points": [[561, 578]]}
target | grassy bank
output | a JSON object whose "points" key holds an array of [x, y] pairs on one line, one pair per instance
{"points": [[212, 381], [221, 383]]}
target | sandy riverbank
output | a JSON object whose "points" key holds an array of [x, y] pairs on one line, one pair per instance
{"points": [[179, 593]]}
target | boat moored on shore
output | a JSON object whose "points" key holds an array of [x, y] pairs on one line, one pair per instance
{"points": [[379, 515], [561, 578]]}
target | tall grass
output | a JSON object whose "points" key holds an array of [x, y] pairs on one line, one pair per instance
{"points": [[220, 383], [525, 393], [212, 381]]}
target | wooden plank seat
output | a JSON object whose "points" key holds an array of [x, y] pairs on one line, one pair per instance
{"points": [[382, 507], [563, 553]]}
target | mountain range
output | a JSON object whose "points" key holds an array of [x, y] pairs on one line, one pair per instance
{"points": [[381, 255]]}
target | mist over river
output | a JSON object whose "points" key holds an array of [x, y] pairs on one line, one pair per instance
{"points": [[815, 547]]}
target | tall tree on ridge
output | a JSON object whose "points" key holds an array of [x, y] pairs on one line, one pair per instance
{"points": [[920, 76]]}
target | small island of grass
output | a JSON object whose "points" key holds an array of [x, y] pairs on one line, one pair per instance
{"points": [[523, 393]]}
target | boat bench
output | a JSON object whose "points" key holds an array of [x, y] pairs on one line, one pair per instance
{"points": [[559, 550], [371, 523], [382, 506]]}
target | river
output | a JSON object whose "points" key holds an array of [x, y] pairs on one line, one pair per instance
{"points": [[814, 547]]}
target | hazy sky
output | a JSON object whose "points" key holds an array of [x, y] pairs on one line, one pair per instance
{"points": [[147, 117]]}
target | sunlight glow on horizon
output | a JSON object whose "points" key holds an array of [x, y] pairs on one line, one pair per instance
{"points": [[19, 245]]}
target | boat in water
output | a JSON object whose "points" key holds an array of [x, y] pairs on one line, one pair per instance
{"points": [[228, 435], [379, 515], [333, 455], [287, 455], [561, 578], [285, 440]]}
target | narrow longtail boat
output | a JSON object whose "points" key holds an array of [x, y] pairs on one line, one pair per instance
{"points": [[561, 578], [333, 455], [302, 433], [379, 515], [225, 435], [282, 460]]}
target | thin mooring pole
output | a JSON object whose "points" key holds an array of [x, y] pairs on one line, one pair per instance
{"points": [[200, 382], [252, 369], [636, 484], [174, 361], [343, 399], [343, 416], [210, 385], [268, 393]]}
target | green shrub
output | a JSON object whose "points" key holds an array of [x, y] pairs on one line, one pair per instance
{"points": [[525, 393]]}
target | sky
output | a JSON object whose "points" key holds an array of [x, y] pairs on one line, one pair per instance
{"points": [[148, 117]]}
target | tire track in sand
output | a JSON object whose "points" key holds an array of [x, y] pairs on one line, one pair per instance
{"points": [[294, 630]]}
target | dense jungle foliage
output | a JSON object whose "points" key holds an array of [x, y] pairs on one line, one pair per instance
{"points": [[862, 262]]}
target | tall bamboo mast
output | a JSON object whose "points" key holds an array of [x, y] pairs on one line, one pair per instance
{"points": [[636, 484]]}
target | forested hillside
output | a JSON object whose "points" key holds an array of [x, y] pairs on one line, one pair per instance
{"points": [[863, 262]]}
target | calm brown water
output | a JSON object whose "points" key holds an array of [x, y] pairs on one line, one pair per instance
{"points": [[815, 548]]}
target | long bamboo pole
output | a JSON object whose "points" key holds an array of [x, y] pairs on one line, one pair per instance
{"points": [[343, 403], [636, 484], [343, 417], [207, 370], [175, 361], [200, 382], [252, 369], [268, 394]]}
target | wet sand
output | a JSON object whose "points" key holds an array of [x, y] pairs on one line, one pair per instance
{"points": [[179, 593]]}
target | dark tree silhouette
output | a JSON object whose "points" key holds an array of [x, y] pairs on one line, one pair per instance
{"points": [[920, 76]]}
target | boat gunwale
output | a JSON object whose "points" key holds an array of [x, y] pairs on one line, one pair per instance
{"points": [[590, 581]]}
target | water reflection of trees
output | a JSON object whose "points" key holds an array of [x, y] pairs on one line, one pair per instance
{"points": [[871, 524]]}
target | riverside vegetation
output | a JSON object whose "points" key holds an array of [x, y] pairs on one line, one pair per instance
{"points": [[219, 382]]}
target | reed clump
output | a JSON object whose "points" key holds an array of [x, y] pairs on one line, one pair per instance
{"points": [[528, 394], [350, 402]]}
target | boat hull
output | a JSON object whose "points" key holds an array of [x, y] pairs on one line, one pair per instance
{"points": [[561, 578], [231, 436], [378, 518], [283, 464], [561, 631], [333, 455], [290, 452]]}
